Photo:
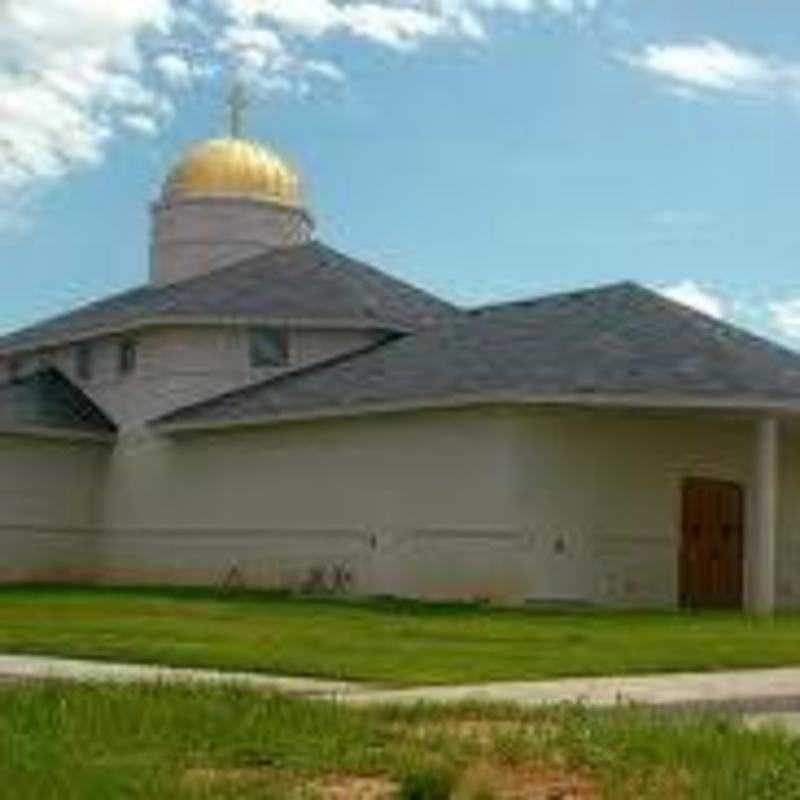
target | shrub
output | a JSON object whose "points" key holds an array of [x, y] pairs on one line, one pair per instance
{"points": [[427, 783]]}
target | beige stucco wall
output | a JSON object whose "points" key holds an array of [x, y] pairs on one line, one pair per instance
{"points": [[602, 491], [193, 236], [605, 488], [49, 493], [514, 505], [407, 504], [178, 366], [509, 504]]}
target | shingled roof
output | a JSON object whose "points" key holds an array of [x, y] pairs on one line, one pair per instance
{"points": [[48, 400], [307, 282], [615, 341]]}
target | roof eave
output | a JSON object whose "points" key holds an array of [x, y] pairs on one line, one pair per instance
{"points": [[608, 401], [63, 434]]}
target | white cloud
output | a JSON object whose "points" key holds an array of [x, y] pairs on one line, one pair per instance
{"points": [[400, 28], [690, 293], [325, 70], [398, 24], [784, 315], [76, 73], [312, 18], [69, 71], [256, 50], [714, 66], [174, 69], [140, 123]]}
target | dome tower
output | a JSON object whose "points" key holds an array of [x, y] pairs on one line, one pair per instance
{"points": [[226, 200]]}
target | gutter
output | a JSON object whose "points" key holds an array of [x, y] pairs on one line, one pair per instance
{"points": [[63, 434], [600, 401]]}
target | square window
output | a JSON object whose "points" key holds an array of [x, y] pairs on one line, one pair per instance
{"points": [[268, 347], [127, 356], [84, 361]]}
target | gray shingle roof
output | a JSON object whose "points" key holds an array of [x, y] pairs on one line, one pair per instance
{"points": [[615, 340], [306, 282], [47, 399]]}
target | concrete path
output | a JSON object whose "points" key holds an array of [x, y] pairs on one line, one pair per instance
{"points": [[48, 668], [770, 689], [746, 687]]}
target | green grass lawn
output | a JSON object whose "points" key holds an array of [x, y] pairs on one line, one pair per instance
{"points": [[387, 642], [82, 743]]}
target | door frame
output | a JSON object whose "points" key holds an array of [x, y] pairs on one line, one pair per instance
{"points": [[684, 597]]}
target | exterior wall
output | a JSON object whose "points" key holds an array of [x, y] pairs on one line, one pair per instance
{"points": [[415, 505], [602, 492], [180, 365], [510, 505], [49, 495], [310, 346], [194, 236]]}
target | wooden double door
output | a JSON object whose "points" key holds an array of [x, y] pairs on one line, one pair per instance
{"points": [[712, 544]]}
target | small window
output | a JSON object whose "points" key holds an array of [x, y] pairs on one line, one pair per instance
{"points": [[84, 361], [127, 356], [268, 347]]}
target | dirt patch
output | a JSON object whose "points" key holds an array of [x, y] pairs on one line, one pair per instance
{"points": [[297, 787], [524, 782], [498, 781], [246, 778], [349, 787]]}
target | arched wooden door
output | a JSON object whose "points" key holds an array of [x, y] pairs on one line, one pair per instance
{"points": [[712, 544]]}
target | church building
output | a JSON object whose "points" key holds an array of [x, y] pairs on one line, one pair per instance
{"points": [[268, 412]]}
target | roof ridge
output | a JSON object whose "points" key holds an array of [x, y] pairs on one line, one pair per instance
{"points": [[375, 275], [694, 315], [333, 265], [604, 288], [285, 283], [145, 288], [100, 301], [710, 322]]}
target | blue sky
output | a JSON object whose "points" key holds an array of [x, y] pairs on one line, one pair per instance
{"points": [[484, 149]]}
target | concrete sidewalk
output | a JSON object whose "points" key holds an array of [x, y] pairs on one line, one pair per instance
{"points": [[746, 687], [68, 669]]}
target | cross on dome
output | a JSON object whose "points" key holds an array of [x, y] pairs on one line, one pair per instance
{"points": [[235, 166], [238, 102]]}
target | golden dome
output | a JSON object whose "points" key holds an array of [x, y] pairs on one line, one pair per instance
{"points": [[234, 168]]}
